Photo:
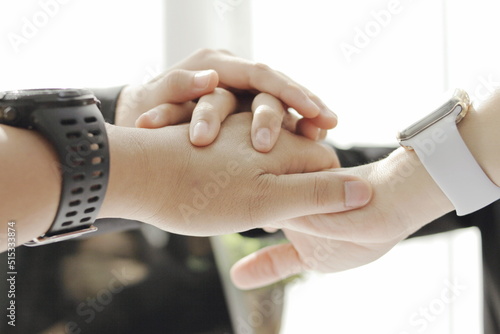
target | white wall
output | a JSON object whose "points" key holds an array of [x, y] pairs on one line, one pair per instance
{"points": [[79, 43]]}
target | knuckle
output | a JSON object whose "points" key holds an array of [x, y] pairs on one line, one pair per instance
{"points": [[204, 52], [271, 270], [225, 52], [167, 113], [204, 111], [264, 110], [262, 67], [222, 92], [268, 115], [294, 87], [321, 192], [311, 95], [258, 72], [261, 197], [228, 97], [174, 78]]}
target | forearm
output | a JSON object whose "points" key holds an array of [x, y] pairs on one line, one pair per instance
{"points": [[31, 181]]}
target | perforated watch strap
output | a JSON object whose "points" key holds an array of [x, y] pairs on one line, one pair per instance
{"points": [[79, 137], [448, 160]]}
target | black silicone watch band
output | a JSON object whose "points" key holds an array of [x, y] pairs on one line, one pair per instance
{"points": [[80, 139], [70, 119]]}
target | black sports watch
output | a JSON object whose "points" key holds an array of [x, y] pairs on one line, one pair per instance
{"points": [[71, 120]]}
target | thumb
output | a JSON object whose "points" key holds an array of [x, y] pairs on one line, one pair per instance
{"points": [[296, 195], [266, 266]]}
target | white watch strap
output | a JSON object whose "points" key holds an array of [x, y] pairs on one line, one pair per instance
{"points": [[446, 157]]}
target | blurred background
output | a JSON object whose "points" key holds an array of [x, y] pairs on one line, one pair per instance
{"points": [[379, 64]]}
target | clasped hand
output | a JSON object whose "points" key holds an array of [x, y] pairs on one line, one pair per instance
{"points": [[281, 182]]}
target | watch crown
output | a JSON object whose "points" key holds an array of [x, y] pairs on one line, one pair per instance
{"points": [[9, 114]]}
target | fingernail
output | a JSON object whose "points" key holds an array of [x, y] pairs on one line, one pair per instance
{"points": [[357, 194], [202, 79], [328, 113], [311, 105], [263, 137], [152, 115], [200, 130]]}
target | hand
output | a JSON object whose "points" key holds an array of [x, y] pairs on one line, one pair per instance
{"points": [[226, 187], [404, 199], [234, 74]]}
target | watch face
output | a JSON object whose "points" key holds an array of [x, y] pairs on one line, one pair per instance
{"points": [[16, 106], [45, 95], [457, 105]]}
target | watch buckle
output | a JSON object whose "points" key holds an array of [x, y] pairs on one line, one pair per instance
{"points": [[45, 240]]}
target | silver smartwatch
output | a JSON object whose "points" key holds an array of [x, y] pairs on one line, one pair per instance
{"points": [[439, 146]]}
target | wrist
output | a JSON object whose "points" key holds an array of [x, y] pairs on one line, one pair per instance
{"points": [[415, 195], [122, 199], [479, 130], [143, 173]]}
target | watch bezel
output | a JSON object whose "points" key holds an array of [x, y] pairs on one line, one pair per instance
{"points": [[459, 98], [22, 103]]}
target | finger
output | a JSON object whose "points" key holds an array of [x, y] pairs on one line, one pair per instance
{"points": [[179, 86], [238, 73], [266, 266], [322, 134], [290, 122], [300, 155], [307, 129], [166, 114], [326, 119], [209, 113], [298, 195], [268, 113]]}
